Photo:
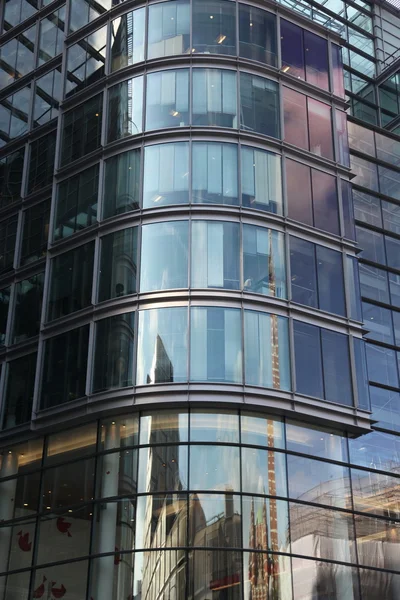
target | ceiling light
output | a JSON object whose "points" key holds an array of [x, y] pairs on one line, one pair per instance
{"points": [[285, 69], [221, 38]]}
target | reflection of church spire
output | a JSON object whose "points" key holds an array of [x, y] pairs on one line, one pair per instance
{"points": [[161, 368]]}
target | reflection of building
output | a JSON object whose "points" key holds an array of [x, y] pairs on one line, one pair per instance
{"points": [[161, 369]]}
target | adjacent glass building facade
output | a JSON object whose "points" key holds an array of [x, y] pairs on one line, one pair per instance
{"points": [[199, 304]]}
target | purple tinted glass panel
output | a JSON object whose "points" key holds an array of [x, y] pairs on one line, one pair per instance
{"points": [[298, 185], [326, 213], [348, 211], [316, 54], [342, 138], [337, 71], [292, 49], [320, 127], [295, 118]]}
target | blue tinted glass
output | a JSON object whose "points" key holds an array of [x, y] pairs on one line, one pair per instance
{"points": [[378, 322], [336, 365], [259, 105], [316, 54], [257, 35], [330, 280], [303, 272], [166, 175], [215, 345], [214, 98], [264, 261], [374, 283], [385, 406], [169, 29], [214, 26], [353, 287], [367, 208], [261, 180], [125, 109], [389, 182], [360, 363], [382, 367], [372, 245], [167, 99], [214, 173], [376, 450], [307, 349], [392, 252], [292, 49], [348, 210]]}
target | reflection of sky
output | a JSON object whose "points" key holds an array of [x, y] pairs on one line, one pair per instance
{"points": [[316, 481], [376, 450]]}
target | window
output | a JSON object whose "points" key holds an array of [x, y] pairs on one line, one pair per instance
{"points": [[162, 346], [169, 29], [16, 12], [257, 35], [11, 167], [378, 322], [264, 269], [76, 206], [86, 61], [214, 173], [214, 27], [127, 39], [71, 281], [16, 57], [389, 182], [14, 115], [337, 70], [366, 173], [348, 210], [48, 93], [19, 391], [167, 99], [164, 256], [125, 102], [259, 105], [312, 197], [81, 133], [113, 360], [261, 180], [64, 372], [266, 348], [83, 12], [215, 255], [121, 183], [320, 129], [322, 363], [4, 306], [28, 307], [342, 139], [166, 175], [382, 367], [118, 264], [51, 36], [372, 245], [8, 234], [35, 232], [215, 344], [41, 162], [214, 98]]}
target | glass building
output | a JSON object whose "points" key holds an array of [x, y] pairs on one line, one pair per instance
{"points": [[199, 300]]}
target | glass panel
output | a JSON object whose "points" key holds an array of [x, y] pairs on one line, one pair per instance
{"points": [[316, 56], [264, 261], [298, 192], [215, 255], [257, 566], [317, 441], [342, 139], [167, 99], [51, 36], [336, 365], [25, 491], [337, 70], [376, 450], [377, 541], [372, 245], [11, 167], [382, 366], [319, 482], [394, 283], [295, 118], [35, 232], [261, 180], [41, 162], [324, 580], [117, 471], [214, 98], [64, 372], [267, 361], [51, 579], [162, 346], [127, 39], [76, 206], [214, 173], [330, 280], [391, 217], [164, 253], [261, 430], [392, 252], [214, 27], [4, 306], [8, 234], [367, 208], [17, 11], [83, 12], [163, 427], [320, 128], [214, 426], [389, 182], [325, 202], [154, 570], [308, 360], [166, 175], [75, 526], [86, 61], [169, 29], [303, 271], [378, 322], [348, 210], [71, 281], [375, 493], [373, 583], [292, 49], [118, 264], [19, 394], [217, 574], [215, 344], [77, 487], [360, 363], [264, 472], [361, 138], [121, 183], [265, 524], [28, 307], [366, 173], [114, 530], [114, 352], [120, 431], [259, 105], [163, 469], [257, 35], [385, 406], [48, 94], [214, 468], [161, 521], [215, 520], [17, 56], [125, 109], [387, 149], [81, 132]]}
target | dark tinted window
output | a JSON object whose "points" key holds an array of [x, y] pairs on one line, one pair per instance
{"points": [[303, 272], [64, 371], [118, 264], [35, 232], [86, 60], [257, 34], [166, 175], [81, 130], [214, 173], [8, 233], [320, 128], [28, 307], [336, 364], [125, 102], [11, 167], [127, 39], [19, 394], [216, 35], [121, 184], [71, 281], [4, 305], [259, 105], [307, 348], [41, 162]]}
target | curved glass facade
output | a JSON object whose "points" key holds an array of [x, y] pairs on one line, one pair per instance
{"points": [[184, 371]]}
